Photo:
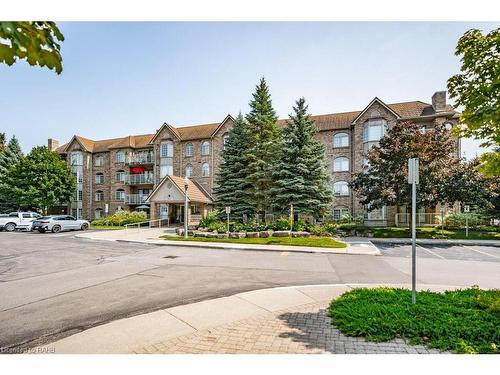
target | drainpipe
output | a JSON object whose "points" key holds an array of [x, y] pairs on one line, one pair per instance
{"points": [[351, 143]]}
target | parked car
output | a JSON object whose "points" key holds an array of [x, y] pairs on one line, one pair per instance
{"points": [[58, 223], [18, 220]]}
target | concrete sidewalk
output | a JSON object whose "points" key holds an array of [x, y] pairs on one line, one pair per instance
{"points": [[357, 246], [277, 320]]}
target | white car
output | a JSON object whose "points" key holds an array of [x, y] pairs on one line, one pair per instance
{"points": [[58, 223], [18, 220]]}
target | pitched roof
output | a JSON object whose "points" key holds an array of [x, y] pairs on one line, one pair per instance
{"points": [[197, 131], [103, 145], [195, 192]]}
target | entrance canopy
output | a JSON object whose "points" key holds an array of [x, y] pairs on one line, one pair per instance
{"points": [[171, 190]]}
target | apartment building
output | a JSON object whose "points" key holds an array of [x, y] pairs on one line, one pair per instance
{"points": [[146, 172]]}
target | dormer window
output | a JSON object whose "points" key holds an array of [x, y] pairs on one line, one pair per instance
{"points": [[373, 131], [167, 149]]}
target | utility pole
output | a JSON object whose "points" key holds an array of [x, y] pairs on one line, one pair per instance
{"points": [[413, 179]]}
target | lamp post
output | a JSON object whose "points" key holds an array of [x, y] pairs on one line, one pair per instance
{"points": [[186, 184]]}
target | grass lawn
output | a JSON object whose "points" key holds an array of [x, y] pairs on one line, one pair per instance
{"points": [[435, 232], [106, 227], [290, 241], [463, 321]]}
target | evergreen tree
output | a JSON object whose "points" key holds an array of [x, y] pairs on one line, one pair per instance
{"points": [[8, 159], [263, 137], [39, 181], [2, 142], [300, 174], [230, 188]]}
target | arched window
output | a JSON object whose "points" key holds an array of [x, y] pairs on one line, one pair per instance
{"points": [[167, 149], [205, 148], [76, 158], [341, 188], [120, 195], [189, 170], [99, 161], [341, 140], [339, 212], [374, 113], [189, 149], [99, 178], [120, 157], [341, 164], [120, 176], [99, 195], [98, 213], [373, 130], [205, 170]]}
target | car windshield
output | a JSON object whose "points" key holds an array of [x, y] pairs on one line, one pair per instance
{"points": [[44, 218]]}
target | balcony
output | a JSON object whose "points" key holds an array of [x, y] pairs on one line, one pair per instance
{"points": [[140, 179], [136, 198], [140, 158]]}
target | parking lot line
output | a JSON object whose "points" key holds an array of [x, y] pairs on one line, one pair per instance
{"points": [[480, 252], [431, 252]]}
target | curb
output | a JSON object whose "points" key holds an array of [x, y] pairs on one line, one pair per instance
{"points": [[430, 241]]}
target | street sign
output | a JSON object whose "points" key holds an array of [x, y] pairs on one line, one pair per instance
{"points": [[413, 174], [466, 209], [228, 210]]}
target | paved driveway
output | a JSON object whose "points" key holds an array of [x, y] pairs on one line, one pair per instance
{"points": [[52, 286]]}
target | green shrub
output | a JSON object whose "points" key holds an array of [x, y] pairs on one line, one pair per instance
{"points": [[236, 227], [299, 226], [454, 220], [281, 224], [122, 217], [331, 228], [218, 227], [318, 230], [211, 218]]}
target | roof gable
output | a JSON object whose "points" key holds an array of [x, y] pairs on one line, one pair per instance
{"points": [[375, 100], [194, 193]]}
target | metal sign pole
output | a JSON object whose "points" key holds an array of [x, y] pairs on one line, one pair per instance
{"points": [[413, 179]]}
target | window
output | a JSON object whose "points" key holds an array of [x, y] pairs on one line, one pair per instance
{"points": [[205, 170], [99, 178], [79, 195], [340, 212], [98, 213], [341, 164], [189, 149], [195, 209], [166, 149], [224, 141], [205, 148], [376, 214], [120, 176], [341, 188], [99, 195], [120, 195], [189, 170], [341, 140], [120, 157], [76, 158], [372, 132], [78, 176], [166, 167], [99, 161]]}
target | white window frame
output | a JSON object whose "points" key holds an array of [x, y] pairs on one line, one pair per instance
{"points": [[338, 164], [120, 176], [189, 149], [368, 136], [98, 213], [99, 196], [167, 149], [205, 148], [205, 170], [120, 157], [99, 161], [338, 140], [77, 158], [338, 212], [342, 192], [189, 167], [99, 178], [120, 195], [225, 138], [377, 214]]}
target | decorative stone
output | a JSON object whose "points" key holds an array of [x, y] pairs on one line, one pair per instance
{"points": [[252, 234], [180, 231], [265, 234], [301, 234], [281, 233], [200, 234], [211, 235], [222, 235], [237, 235]]}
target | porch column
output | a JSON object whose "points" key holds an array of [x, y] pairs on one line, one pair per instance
{"points": [[152, 210]]}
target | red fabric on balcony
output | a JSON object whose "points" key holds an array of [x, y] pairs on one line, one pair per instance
{"points": [[137, 170]]}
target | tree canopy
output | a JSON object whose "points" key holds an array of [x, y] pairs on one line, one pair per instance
{"points": [[477, 87], [37, 42], [299, 173]]}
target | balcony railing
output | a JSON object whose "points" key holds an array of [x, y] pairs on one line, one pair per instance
{"points": [[140, 179], [136, 198], [140, 158]]}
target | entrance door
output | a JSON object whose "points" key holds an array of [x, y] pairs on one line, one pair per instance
{"points": [[163, 211]]}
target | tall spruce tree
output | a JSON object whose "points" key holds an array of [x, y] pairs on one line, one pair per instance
{"points": [[230, 189], [2, 142], [8, 159], [263, 139], [300, 175]]}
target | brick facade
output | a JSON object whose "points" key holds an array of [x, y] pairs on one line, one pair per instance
{"points": [[350, 123]]}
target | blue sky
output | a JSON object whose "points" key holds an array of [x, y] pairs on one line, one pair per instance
{"points": [[129, 78]]}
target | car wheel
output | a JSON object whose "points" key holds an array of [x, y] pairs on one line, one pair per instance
{"points": [[85, 226], [41, 230], [10, 227], [56, 229]]}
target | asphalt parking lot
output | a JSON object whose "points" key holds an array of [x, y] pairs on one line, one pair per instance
{"points": [[448, 252]]}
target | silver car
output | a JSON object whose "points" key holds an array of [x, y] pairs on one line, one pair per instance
{"points": [[58, 223]]}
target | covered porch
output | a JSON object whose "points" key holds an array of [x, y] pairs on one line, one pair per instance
{"points": [[167, 201]]}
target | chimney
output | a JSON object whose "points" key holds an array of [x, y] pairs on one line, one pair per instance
{"points": [[53, 144], [439, 101]]}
